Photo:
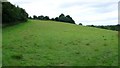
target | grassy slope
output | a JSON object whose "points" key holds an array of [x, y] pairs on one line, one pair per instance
{"points": [[48, 43], [0, 46]]}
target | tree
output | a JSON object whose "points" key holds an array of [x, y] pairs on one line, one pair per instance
{"points": [[91, 25], [12, 14], [56, 19], [52, 19], [41, 17], [80, 23], [35, 17], [30, 17], [46, 18], [63, 18], [70, 20], [117, 27], [62, 15]]}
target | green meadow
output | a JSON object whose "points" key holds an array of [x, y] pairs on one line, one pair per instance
{"points": [[51, 43]]}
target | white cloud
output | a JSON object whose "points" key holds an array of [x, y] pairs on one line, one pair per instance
{"points": [[97, 12]]}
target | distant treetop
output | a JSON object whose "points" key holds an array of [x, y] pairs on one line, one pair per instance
{"points": [[61, 18]]}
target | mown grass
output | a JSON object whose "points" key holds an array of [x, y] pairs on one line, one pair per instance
{"points": [[49, 43]]}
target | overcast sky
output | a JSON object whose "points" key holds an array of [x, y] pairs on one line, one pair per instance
{"points": [[87, 12]]}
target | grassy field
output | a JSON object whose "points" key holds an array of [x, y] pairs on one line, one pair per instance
{"points": [[49, 43]]}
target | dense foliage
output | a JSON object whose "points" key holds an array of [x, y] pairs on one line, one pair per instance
{"points": [[40, 17], [110, 27], [61, 18], [12, 14], [80, 23]]}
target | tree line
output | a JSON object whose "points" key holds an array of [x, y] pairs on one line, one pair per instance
{"points": [[109, 27], [40, 17], [12, 14], [60, 18]]}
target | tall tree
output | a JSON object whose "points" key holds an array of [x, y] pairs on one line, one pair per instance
{"points": [[35, 17], [80, 23], [46, 18], [12, 14], [62, 15], [64, 18], [70, 20], [41, 17], [56, 19]]}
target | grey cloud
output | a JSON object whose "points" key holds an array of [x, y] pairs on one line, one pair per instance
{"points": [[99, 5], [3, 1], [102, 7], [68, 5], [20, 2], [89, 9], [88, 4], [110, 19]]}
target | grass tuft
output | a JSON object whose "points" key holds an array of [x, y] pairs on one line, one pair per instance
{"points": [[17, 56], [88, 44], [105, 44]]}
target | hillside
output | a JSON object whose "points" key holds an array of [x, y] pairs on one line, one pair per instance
{"points": [[50, 43]]}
